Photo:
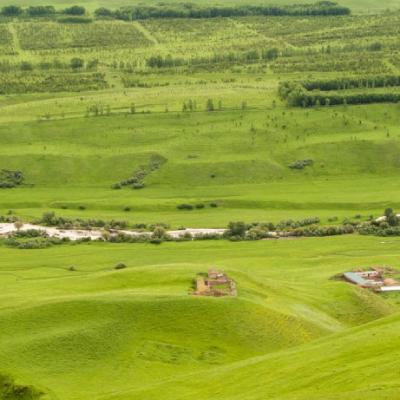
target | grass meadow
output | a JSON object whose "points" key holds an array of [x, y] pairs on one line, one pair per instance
{"points": [[139, 333], [195, 105]]}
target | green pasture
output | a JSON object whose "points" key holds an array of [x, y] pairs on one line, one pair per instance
{"points": [[102, 333], [237, 158], [86, 106]]}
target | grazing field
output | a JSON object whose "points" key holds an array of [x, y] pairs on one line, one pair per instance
{"points": [[115, 120], [139, 333]]}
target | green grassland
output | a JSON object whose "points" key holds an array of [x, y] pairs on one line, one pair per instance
{"points": [[237, 155], [85, 106], [136, 333]]}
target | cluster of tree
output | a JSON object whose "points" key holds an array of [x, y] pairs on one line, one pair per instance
{"points": [[10, 179], [98, 109], [39, 82], [298, 96], [40, 11], [74, 64], [387, 226], [309, 227], [353, 83], [136, 181], [168, 61], [190, 10]]}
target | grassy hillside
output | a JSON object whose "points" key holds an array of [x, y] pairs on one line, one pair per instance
{"points": [[80, 131], [130, 120], [238, 159], [136, 330]]}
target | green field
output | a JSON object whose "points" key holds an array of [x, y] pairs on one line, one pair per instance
{"points": [[194, 107], [292, 332]]}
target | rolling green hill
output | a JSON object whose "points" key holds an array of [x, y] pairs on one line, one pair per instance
{"points": [[139, 333], [186, 122]]}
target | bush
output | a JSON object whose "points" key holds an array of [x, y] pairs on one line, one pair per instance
{"points": [[75, 10], [120, 265], [138, 185], [236, 230], [184, 206], [77, 63], [40, 11], [103, 12], [11, 11], [301, 164]]}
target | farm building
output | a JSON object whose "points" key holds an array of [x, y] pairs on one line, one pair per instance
{"points": [[215, 284], [372, 279]]}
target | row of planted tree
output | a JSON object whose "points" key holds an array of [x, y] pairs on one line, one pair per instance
{"points": [[341, 91], [182, 10]]}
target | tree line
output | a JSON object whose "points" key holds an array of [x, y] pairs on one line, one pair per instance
{"points": [[168, 61], [182, 10], [308, 94], [352, 83], [190, 10], [40, 11]]}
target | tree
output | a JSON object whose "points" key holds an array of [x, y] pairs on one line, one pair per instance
{"points": [[388, 212], [210, 105], [237, 228], [77, 63], [40, 11], [26, 66], [11, 11], [75, 10], [103, 12]]}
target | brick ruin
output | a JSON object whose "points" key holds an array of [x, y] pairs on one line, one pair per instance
{"points": [[379, 279], [215, 284]]}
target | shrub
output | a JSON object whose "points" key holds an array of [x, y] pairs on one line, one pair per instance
{"points": [[75, 10], [184, 206], [11, 11], [138, 185], [77, 63], [120, 265], [103, 12], [301, 164], [236, 230], [40, 11]]}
